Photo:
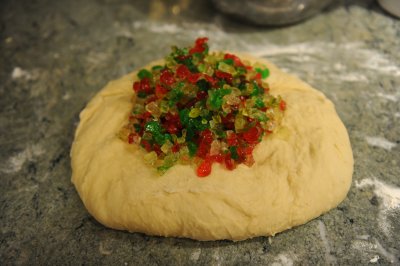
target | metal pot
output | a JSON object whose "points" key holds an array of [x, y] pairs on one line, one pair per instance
{"points": [[271, 12], [391, 6]]}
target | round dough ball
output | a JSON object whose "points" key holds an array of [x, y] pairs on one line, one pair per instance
{"points": [[302, 170]]}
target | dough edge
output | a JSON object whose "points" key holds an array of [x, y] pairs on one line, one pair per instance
{"points": [[288, 186]]}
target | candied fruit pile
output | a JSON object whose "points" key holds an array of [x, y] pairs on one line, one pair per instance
{"points": [[201, 108]]}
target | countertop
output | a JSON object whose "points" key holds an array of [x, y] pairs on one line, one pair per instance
{"points": [[55, 55]]}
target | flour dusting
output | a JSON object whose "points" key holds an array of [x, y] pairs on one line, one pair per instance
{"points": [[388, 255], [96, 58], [157, 27], [390, 97], [19, 73], [66, 96], [216, 257], [188, 29], [103, 250], [16, 162], [352, 77], [376, 61], [266, 50], [374, 259], [317, 59], [195, 255], [282, 260], [373, 249], [390, 197], [380, 142], [363, 245], [363, 237], [328, 256]]}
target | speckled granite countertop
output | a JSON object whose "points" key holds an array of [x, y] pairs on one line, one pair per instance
{"points": [[55, 55]]}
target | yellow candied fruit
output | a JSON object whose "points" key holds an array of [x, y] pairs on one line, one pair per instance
{"points": [[150, 158]]}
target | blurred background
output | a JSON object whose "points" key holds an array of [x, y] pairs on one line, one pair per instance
{"points": [[56, 55]]}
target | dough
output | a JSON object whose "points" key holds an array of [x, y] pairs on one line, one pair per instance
{"points": [[302, 170]]}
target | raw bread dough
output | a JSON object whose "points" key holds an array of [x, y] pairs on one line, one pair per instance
{"points": [[300, 172]]}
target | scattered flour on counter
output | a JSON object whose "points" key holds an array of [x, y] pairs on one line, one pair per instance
{"points": [[217, 259], [267, 50], [157, 27], [363, 245], [96, 58], [18, 73], [282, 260], [375, 248], [390, 97], [374, 259], [103, 250], [352, 77], [372, 59], [66, 96], [390, 197], [330, 260], [339, 66], [311, 53], [24, 189], [168, 28], [377, 61], [363, 237], [193, 30], [386, 254], [15, 163], [380, 142], [195, 255]]}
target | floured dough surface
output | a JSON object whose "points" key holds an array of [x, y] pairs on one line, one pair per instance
{"points": [[301, 171]]}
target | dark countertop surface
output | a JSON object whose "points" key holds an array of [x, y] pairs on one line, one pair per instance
{"points": [[55, 55]]}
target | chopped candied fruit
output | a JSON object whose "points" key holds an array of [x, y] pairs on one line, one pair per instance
{"points": [[201, 108]]}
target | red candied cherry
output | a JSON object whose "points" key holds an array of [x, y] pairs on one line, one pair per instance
{"points": [[229, 162], [204, 168], [146, 145], [219, 158], [199, 46], [201, 95], [175, 148], [232, 139], [211, 80], [235, 59], [130, 138], [136, 86], [167, 77], [193, 77], [145, 85], [252, 135], [282, 105], [160, 91], [223, 75], [182, 72]]}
